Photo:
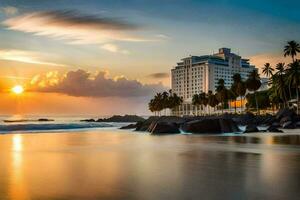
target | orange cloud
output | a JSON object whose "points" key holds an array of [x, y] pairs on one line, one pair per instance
{"points": [[84, 84]]}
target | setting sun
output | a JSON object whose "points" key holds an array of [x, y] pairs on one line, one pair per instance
{"points": [[18, 89]]}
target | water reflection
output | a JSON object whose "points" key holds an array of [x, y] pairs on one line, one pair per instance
{"points": [[17, 186], [112, 165]]}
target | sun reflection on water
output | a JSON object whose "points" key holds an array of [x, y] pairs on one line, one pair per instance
{"points": [[17, 189], [17, 144]]}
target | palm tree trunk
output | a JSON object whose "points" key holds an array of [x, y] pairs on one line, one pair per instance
{"points": [[257, 110], [297, 100], [235, 107], [242, 106]]}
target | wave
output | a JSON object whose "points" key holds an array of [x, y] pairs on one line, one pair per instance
{"points": [[47, 127]]}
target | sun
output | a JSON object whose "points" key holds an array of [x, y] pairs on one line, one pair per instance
{"points": [[18, 89]]}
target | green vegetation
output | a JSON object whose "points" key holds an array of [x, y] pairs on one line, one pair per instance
{"points": [[284, 83], [163, 101]]}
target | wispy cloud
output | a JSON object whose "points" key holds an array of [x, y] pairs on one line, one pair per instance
{"points": [[114, 48], [159, 75], [25, 57], [85, 84], [9, 10], [15, 77], [74, 27]]}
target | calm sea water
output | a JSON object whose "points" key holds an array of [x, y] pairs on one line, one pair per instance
{"points": [[115, 164], [31, 123]]}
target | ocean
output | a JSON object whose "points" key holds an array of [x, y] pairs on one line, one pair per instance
{"points": [[36, 123], [108, 163]]}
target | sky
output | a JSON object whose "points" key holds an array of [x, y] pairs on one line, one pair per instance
{"points": [[111, 56]]}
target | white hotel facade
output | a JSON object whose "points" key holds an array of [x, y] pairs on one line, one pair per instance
{"points": [[196, 74]]}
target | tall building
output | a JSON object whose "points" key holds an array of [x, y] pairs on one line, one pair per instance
{"points": [[196, 74]]}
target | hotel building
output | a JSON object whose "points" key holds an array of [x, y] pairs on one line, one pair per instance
{"points": [[196, 74]]}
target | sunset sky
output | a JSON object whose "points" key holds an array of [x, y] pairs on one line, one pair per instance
{"points": [[108, 57]]}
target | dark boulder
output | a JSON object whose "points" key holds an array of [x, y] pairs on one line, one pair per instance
{"points": [[88, 120], [285, 119], [251, 128], [274, 129], [285, 112], [288, 125], [130, 126], [244, 119], [45, 120], [275, 124], [267, 119], [210, 126], [149, 124], [165, 128], [125, 118], [144, 125]]}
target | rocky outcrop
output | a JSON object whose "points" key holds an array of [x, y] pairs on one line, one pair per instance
{"points": [[125, 118], [288, 125], [45, 120], [274, 129], [143, 126], [130, 126], [88, 120], [251, 128], [151, 123], [214, 125], [285, 112], [164, 128], [287, 118]]}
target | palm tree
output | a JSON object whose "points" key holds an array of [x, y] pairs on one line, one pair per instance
{"points": [[294, 78], [268, 70], [165, 101], [196, 102], [239, 87], [291, 49], [203, 100], [212, 100], [236, 80], [222, 93], [241, 91], [253, 84], [209, 98], [278, 81], [232, 95], [159, 102], [174, 102]]}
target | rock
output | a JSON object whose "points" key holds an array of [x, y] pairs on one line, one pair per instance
{"points": [[214, 125], [130, 126], [275, 124], [285, 119], [288, 125], [88, 120], [148, 124], [244, 119], [165, 128], [143, 126], [274, 129], [125, 118], [45, 120], [284, 113], [251, 128]]}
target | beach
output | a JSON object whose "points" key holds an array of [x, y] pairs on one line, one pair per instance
{"points": [[108, 163]]}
